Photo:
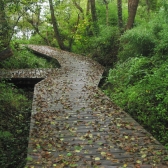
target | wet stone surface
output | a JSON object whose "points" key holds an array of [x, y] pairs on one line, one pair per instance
{"points": [[73, 124]]}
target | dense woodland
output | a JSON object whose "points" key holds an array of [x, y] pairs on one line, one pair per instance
{"points": [[128, 37]]}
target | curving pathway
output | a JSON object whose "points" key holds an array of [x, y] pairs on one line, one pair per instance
{"points": [[74, 124]]}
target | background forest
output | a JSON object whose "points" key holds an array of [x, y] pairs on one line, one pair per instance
{"points": [[128, 37]]}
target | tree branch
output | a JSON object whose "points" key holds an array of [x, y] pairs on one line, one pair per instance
{"points": [[77, 6]]}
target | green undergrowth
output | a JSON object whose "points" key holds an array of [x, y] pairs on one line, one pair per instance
{"points": [[102, 48], [15, 110], [15, 107], [139, 86], [23, 58], [139, 81]]}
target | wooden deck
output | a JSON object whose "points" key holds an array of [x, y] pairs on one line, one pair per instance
{"points": [[74, 124], [27, 73]]}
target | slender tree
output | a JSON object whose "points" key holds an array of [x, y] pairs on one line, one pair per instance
{"points": [[148, 6], [88, 7], [93, 10], [5, 50], [107, 12], [119, 6], [94, 16], [4, 27], [55, 26], [132, 8]]}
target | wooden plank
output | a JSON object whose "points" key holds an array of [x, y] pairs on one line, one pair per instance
{"points": [[73, 122]]}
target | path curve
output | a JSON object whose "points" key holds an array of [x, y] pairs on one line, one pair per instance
{"points": [[73, 124]]}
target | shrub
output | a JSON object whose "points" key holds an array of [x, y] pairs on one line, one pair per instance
{"points": [[14, 128], [136, 42], [36, 39], [129, 72], [23, 58], [139, 86], [112, 13], [105, 46], [162, 41]]}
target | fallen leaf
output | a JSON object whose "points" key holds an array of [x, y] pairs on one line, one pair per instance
{"points": [[97, 158]]}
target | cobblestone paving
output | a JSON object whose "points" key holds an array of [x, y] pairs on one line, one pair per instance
{"points": [[73, 124]]}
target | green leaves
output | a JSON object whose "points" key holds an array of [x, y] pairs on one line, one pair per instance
{"points": [[29, 158], [25, 59], [139, 86], [14, 130], [69, 154], [5, 134], [73, 165]]}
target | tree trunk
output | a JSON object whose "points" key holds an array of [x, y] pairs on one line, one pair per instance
{"points": [[93, 10], [132, 8], [107, 12], [4, 27], [148, 6], [77, 6], [55, 26], [119, 6], [94, 16], [88, 7]]}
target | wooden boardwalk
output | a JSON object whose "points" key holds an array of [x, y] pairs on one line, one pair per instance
{"points": [[27, 73], [74, 124]]}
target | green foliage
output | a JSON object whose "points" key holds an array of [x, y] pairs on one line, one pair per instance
{"points": [[136, 42], [14, 128], [36, 39], [23, 58], [145, 40], [162, 40], [112, 13], [104, 47], [134, 70], [139, 85], [5, 134], [81, 37], [15, 109], [139, 81]]}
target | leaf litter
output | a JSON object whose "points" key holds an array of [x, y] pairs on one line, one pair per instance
{"points": [[74, 124]]}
